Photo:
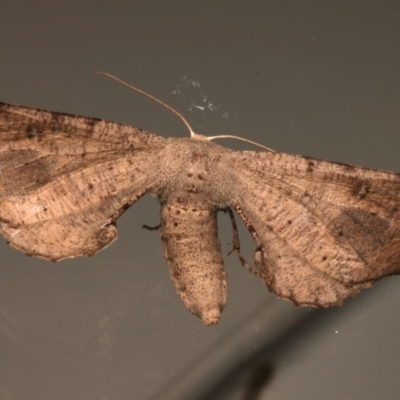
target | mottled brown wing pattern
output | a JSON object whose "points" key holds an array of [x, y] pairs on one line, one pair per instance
{"points": [[65, 179], [324, 230]]}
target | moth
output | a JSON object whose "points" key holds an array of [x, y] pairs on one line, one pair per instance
{"points": [[323, 231]]}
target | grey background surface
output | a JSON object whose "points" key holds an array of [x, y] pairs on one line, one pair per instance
{"points": [[310, 77]]}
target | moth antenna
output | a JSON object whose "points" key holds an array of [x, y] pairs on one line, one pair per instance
{"points": [[242, 139], [192, 133]]}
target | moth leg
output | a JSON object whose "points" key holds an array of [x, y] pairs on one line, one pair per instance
{"points": [[151, 228], [236, 243], [235, 240]]}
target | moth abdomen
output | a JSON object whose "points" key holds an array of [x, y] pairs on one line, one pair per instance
{"points": [[193, 254]]}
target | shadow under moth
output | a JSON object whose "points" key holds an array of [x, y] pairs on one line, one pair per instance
{"points": [[323, 230]]}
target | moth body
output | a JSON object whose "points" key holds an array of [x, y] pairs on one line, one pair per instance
{"points": [[189, 205]]}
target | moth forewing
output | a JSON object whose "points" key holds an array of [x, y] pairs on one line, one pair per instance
{"points": [[320, 240], [62, 188]]}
